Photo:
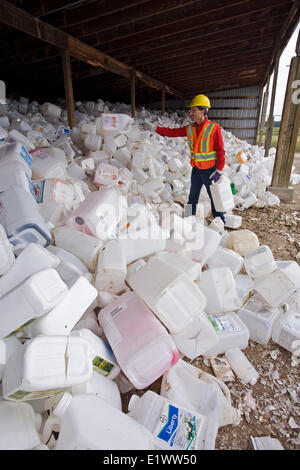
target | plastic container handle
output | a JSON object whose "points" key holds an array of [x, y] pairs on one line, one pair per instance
{"points": [[48, 428]]}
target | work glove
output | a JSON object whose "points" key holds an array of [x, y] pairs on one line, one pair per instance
{"points": [[215, 176]]}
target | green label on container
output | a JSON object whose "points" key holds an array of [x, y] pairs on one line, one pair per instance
{"points": [[20, 328], [29, 395], [102, 366]]}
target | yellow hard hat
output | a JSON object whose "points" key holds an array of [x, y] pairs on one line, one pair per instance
{"points": [[200, 100]]}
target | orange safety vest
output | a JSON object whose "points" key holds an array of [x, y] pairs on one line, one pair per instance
{"points": [[201, 147]]}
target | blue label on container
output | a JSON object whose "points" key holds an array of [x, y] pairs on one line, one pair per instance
{"points": [[38, 190], [168, 432], [26, 156]]}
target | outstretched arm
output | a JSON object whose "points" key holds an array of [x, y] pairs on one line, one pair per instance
{"points": [[167, 132]]}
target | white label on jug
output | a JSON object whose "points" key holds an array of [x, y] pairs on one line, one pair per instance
{"points": [[118, 310], [38, 188], [110, 121], [29, 395], [223, 323], [25, 155], [178, 428], [39, 154], [102, 366]]}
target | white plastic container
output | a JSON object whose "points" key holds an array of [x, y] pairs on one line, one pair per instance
{"points": [[188, 266], [8, 346], [111, 268], [7, 257], [31, 260], [51, 110], [104, 362], [232, 333], [45, 166], [211, 241], [64, 316], [106, 175], [219, 289], [69, 262], [54, 189], [93, 142], [286, 330], [233, 221], [197, 390], [141, 345], [170, 293], [259, 319], [99, 214], [18, 137], [103, 387], [19, 426], [276, 287], [222, 195], [223, 257], [173, 426], [85, 247], [112, 124], [141, 243], [12, 174], [241, 366], [22, 220], [244, 286], [242, 241], [196, 338], [259, 262], [16, 153], [45, 366], [87, 422], [217, 225], [36, 296]]}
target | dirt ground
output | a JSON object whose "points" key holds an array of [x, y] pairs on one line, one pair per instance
{"points": [[272, 406]]}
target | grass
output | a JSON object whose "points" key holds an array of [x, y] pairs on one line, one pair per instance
{"points": [[275, 138]]}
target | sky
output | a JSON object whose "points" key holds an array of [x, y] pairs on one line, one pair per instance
{"points": [[283, 73]]}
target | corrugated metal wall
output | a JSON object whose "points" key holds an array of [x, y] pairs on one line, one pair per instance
{"points": [[237, 111]]}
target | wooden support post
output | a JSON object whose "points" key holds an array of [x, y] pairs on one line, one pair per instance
{"points": [[289, 127], [271, 116], [263, 114], [132, 90], [163, 100], [68, 87]]}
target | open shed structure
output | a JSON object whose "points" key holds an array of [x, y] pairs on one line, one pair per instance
{"points": [[139, 51]]}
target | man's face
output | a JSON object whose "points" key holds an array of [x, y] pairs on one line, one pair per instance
{"points": [[197, 115]]}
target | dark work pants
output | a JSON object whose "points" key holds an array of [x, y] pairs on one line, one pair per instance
{"points": [[198, 179]]}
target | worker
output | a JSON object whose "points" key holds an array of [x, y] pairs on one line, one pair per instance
{"points": [[205, 142]]}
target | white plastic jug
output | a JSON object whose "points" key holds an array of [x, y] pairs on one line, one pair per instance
{"points": [[103, 387], [7, 257], [45, 166], [188, 266], [47, 365], [106, 175], [223, 257], [21, 219], [31, 260], [87, 422], [241, 366], [233, 221], [211, 240], [103, 360], [259, 262], [222, 195], [259, 319], [217, 225], [17, 136], [112, 124], [286, 330], [12, 174], [275, 287], [141, 243], [69, 262], [196, 338], [85, 247], [19, 426], [93, 142], [34, 297], [63, 317], [16, 153], [8, 346], [173, 426], [51, 110], [242, 241], [111, 268], [244, 286], [99, 214], [197, 390], [54, 189], [219, 289], [142, 346], [232, 332], [171, 294]]}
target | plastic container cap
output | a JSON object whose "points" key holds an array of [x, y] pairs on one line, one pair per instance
{"points": [[133, 401], [63, 404]]}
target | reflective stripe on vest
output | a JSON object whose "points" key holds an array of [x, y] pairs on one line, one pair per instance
{"points": [[204, 143]]}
